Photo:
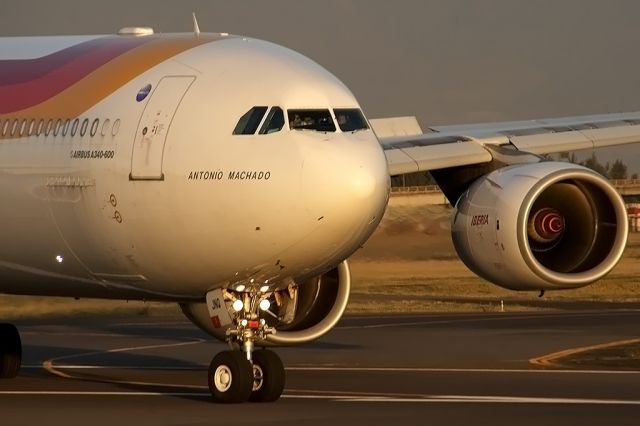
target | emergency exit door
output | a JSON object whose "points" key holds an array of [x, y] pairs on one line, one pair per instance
{"points": [[154, 126]]}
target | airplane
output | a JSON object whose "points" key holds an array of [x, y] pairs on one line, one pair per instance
{"points": [[235, 177]]}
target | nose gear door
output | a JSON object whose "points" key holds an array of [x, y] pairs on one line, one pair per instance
{"points": [[154, 126]]}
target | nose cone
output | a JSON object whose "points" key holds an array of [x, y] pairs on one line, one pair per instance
{"points": [[346, 188]]}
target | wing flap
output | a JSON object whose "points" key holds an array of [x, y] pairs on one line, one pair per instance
{"points": [[613, 136], [433, 157], [577, 139], [541, 144], [399, 163]]}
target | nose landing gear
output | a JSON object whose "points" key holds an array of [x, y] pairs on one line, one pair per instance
{"points": [[245, 374]]}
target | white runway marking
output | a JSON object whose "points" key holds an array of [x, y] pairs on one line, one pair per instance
{"points": [[466, 399], [459, 370], [99, 393], [349, 369], [119, 367], [430, 399]]}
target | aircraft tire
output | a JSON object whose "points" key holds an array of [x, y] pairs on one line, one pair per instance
{"points": [[230, 377], [10, 351], [268, 376]]}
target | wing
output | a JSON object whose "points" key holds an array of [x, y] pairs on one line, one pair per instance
{"points": [[461, 145]]}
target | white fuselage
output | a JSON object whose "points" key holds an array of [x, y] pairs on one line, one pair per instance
{"points": [[155, 197]]}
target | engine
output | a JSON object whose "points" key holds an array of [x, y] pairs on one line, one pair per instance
{"points": [[540, 226], [299, 311]]}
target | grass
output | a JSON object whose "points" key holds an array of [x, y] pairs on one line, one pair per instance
{"points": [[419, 286], [359, 305], [26, 307]]}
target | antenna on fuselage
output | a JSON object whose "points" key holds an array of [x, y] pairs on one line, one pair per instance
{"points": [[196, 28]]}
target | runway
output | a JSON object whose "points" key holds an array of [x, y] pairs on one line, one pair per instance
{"points": [[424, 369]]}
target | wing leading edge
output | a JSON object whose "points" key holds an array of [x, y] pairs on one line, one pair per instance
{"points": [[451, 146]]}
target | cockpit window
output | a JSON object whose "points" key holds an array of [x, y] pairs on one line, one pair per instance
{"points": [[249, 122], [350, 119], [311, 119], [274, 121]]}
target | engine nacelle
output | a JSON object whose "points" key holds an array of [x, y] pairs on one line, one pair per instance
{"points": [[540, 226], [305, 311]]}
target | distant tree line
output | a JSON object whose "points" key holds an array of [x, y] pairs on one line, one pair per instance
{"points": [[617, 170]]}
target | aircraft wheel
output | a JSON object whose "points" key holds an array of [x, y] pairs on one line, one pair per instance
{"points": [[10, 351], [230, 377], [268, 376]]}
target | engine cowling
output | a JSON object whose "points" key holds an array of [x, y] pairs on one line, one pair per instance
{"points": [[541, 226], [305, 310]]}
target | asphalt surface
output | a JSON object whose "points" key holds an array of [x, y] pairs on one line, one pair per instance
{"points": [[449, 369]]}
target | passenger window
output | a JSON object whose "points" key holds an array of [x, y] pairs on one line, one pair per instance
{"points": [[274, 121], [249, 122], [57, 128], [116, 127], [350, 119], [49, 127], [83, 128], [65, 128], [74, 126], [23, 126], [94, 127], [105, 127], [40, 127], [32, 126], [14, 127], [311, 119]]}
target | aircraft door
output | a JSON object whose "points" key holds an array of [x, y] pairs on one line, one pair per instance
{"points": [[154, 126]]}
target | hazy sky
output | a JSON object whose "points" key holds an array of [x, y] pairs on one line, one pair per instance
{"points": [[447, 62]]}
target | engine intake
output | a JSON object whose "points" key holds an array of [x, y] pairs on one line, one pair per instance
{"points": [[541, 226]]}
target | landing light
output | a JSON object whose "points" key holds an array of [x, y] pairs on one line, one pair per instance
{"points": [[264, 289], [240, 287], [265, 304], [238, 305], [59, 259]]}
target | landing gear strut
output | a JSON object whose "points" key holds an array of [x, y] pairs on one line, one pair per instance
{"points": [[245, 374], [10, 351]]}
